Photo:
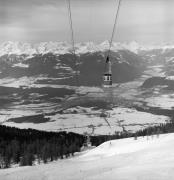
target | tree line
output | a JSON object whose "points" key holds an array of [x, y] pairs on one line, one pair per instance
{"points": [[149, 131], [27, 146]]}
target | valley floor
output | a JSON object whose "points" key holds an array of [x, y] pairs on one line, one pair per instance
{"points": [[149, 158], [83, 112]]}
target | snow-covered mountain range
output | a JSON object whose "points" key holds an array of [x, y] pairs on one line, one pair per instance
{"points": [[55, 60], [19, 48]]}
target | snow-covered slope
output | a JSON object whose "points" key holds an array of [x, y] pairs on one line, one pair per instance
{"points": [[125, 159], [122, 146]]}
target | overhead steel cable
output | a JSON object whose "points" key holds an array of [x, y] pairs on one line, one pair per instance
{"points": [[108, 56], [72, 40], [114, 27]]}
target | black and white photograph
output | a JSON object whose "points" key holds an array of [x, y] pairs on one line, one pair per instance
{"points": [[86, 89]]}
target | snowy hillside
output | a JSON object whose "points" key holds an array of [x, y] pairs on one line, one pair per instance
{"points": [[128, 159]]}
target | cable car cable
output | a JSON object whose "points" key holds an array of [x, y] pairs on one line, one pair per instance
{"points": [[114, 27], [72, 40]]}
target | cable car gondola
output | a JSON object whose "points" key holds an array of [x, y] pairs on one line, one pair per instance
{"points": [[107, 76]]}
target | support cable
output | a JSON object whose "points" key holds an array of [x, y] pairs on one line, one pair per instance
{"points": [[72, 40], [114, 27], [109, 50]]}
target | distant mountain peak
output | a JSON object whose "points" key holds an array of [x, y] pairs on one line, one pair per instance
{"points": [[19, 48]]}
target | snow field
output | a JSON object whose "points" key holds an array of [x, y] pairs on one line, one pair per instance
{"points": [[124, 159]]}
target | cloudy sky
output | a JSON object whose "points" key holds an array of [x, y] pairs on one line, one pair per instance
{"points": [[144, 21]]}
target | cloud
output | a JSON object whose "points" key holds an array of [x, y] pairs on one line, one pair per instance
{"points": [[29, 3], [44, 20], [18, 11]]}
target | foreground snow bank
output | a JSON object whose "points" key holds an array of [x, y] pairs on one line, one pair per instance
{"points": [[124, 159], [122, 146]]}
